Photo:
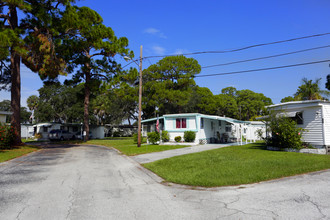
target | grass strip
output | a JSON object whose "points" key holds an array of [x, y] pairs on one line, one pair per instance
{"points": [[16, 152], [126, 146], [236, 165]]}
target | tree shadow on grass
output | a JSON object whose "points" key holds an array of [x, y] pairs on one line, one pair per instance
{"points": [[259, 146]]}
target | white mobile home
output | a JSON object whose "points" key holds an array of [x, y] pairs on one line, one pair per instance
{"points": [[27, 131], [311, 115], [208, 128]]}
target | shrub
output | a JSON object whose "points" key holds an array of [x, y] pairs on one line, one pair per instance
{"points": [[189, 136], [285, 133], [135, 138], [38, 136], [116, 134], [153, 137], [259, 132], [165, 136], [7, 136], [177, 138]]}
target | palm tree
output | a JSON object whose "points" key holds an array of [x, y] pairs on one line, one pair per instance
{"points": [[32, 103], [310, 90]]}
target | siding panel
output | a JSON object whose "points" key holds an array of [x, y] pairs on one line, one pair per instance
{"points": [[326, 117], [312, 118]]}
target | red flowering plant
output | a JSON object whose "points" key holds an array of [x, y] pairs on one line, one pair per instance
{"points": [[7, 135]]}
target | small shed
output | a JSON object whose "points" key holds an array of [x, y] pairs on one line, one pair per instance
{"points": [[27, 131]]}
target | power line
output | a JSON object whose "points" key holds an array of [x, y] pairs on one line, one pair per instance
{"points": [[266, 57], [244, 48], [263, 69], [133, 61]]}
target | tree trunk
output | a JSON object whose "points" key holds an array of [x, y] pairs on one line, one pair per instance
{"points": [[15, 60], [86, 104]]}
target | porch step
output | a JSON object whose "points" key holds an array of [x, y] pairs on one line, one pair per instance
{"points": [[328, 149]]}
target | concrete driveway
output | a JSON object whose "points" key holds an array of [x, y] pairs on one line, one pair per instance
{"points": [[151, 157], [87, 182]]}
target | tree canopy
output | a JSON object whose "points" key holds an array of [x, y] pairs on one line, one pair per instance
{"points": [[58, 103], [327, 84], [28, 34], [287, 99], [90, 47], [168, 85]]}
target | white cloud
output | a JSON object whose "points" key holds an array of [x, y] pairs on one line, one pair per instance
{"points": [[156, 32], [158, 50], [151, 31], [180, 51]]}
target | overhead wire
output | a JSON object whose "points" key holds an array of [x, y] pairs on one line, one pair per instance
{"points": [[262, 69], [266, 57], [253, 59], [244, 48]]}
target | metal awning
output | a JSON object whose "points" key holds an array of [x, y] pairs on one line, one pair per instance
{"points": [[44, 125], [281, 114], [287, 114]]}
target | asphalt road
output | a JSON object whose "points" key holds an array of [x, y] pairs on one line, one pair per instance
{"points": [[86, 182]]}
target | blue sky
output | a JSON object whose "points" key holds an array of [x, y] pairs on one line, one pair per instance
{"points": [[172, 27]]}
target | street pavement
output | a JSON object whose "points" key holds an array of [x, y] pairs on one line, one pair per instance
{"points": [[91, 182]]}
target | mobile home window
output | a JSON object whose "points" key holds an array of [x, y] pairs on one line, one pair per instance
{"points": [[299, 118], [45, 129], [181, 123], [202, 123], [228, 129]]}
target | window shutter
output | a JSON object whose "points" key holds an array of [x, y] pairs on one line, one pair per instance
{"points": [[184, 123], [178, 123]]}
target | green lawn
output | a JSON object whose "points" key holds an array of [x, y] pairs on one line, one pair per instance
{"points": [[236, 165], [17, 152], [126, 145]]}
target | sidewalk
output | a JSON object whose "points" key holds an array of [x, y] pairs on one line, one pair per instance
{"points": [[147, 158]]}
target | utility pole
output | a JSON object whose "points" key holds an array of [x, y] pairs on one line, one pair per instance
{"points": [[140, 100]]}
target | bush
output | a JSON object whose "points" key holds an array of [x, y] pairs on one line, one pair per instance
{"points": [[177, 138], [38, 136], [285, 133], [189, 136], [135, 138], [165, 136], [116, 134], [7, 136], [153, 137], [259, 132]]}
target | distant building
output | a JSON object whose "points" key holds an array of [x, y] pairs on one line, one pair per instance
{"points": [[4, 115], [96, 132]]}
